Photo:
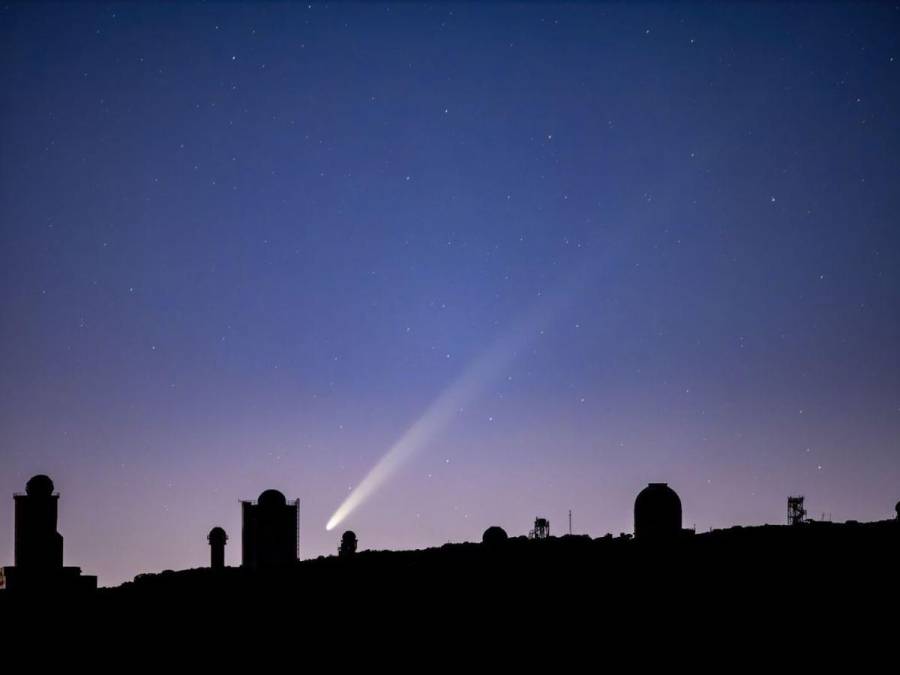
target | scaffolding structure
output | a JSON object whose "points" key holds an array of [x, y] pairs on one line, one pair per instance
{"points": [[796, 512], [541, 529]]}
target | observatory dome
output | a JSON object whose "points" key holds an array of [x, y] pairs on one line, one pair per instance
{"points": [[271, 498], [657, 512], [39, 486], [494, 535], [216, 535], [348, 544]]}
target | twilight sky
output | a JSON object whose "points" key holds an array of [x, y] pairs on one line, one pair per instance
{"points": [[249, 246]]}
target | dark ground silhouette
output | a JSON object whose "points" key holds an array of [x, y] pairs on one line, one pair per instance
{"points": [[752, 590], [810, 564], [793, 577]]}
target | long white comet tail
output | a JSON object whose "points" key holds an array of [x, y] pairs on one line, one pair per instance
{"points": [[488, 367], [436, 418]]}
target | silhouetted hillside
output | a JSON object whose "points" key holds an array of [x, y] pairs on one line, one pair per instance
{"points": [[780, 563], [618, 594]]}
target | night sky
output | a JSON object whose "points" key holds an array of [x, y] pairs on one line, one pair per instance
{"points": [[251, 246]]}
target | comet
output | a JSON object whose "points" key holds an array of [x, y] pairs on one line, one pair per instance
{"points": [[480, 374]]}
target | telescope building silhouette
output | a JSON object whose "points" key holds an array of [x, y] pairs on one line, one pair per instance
{"points": [[38, 548], [657, 513], [270, 535]]}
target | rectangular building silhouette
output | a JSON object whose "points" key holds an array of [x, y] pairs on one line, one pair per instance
{"points": [[270, 535]]}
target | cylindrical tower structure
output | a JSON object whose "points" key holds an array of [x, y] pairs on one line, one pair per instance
{"points": [[217, 539]]}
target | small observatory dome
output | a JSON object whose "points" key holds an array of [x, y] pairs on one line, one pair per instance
{"points": [[494, 535], [897, 509], [217, 536], [271, 498], [657, 512], [349, 543], [39, 486]]}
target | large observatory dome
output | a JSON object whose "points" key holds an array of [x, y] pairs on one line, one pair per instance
{"points": [[39, 486], [494, 535], [657, 512]]}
